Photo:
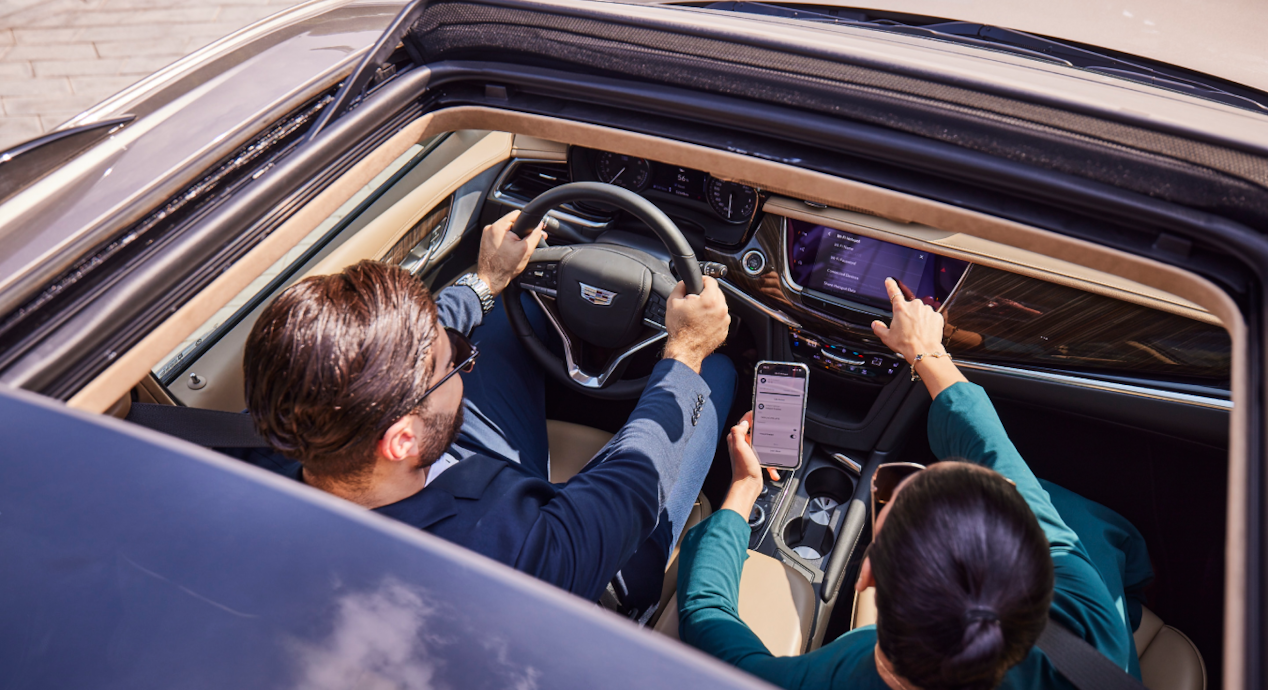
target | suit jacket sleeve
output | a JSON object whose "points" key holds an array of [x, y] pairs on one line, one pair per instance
{"points": [[458, 307], [591, 527]]}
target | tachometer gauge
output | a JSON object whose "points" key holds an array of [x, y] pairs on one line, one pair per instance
{"points": [[624, 171], [731, 200]]}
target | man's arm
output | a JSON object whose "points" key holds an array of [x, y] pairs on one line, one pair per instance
{"points": [[596, 522], [588, 530], [458, 308], [502, 257]]}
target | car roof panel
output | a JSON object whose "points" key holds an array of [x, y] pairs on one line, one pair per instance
{"points": [[135, 560]]}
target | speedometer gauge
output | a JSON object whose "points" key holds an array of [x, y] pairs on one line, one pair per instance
{"points": [[731, 200], [624, 171]]}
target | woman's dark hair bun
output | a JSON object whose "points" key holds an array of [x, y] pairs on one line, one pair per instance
{"points": [[982, 614], [982, 644], [963, 579]]}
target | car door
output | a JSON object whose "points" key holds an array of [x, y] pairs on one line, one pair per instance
{"points": [[419, 212]]}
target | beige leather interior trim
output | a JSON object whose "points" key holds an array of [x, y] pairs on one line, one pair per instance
{"points": [[537, 148], [799, 183], [380, 234], [571, 447], [149, 390], [1168, 658], [776, 603], [121, 408], [989, 253], [1235, 525], [864, 608], [135, 364]]}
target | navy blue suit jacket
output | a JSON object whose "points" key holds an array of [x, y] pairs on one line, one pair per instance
{"points": [[577, 535]]}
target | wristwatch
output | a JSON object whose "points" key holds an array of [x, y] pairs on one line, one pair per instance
{"points": [[481, 289]]}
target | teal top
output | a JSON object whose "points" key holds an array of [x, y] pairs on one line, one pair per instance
{"points": [[1100, 565]]}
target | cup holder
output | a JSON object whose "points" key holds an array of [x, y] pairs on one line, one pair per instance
{"points": [[829, 482], [811, 536], [809, 539]]}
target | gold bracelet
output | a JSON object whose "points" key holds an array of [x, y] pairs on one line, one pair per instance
{"points": [[920, 356]]}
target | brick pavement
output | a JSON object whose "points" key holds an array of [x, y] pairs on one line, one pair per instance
{"points": [[58, 57]]}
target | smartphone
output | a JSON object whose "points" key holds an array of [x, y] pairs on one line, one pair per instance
{"points": [[779, 413]]}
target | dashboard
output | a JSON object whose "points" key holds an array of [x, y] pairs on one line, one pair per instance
{"points": [[819, 274]]}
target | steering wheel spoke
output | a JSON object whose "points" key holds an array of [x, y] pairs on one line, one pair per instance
{"points": [[573, 352]]}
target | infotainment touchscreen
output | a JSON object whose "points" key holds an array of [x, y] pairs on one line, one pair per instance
{"points": [[854, 267]]}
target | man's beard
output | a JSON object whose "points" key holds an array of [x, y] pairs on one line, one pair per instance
{"points": [[445, 430]]}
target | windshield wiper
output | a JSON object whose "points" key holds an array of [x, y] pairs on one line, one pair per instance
{"points": [[1021, 43]]}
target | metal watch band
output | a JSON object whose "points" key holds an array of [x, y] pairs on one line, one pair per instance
{"points": [[481, 289]]}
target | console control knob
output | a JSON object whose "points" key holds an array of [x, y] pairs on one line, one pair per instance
{"points": [[753, 261], [757, 517]]}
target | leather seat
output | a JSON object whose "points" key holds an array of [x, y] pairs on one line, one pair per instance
{"points": [[571, 447], [1168, 658], [776, 602]]}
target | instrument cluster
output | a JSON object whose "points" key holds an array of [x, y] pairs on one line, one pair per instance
{"points": [[722, 208]]}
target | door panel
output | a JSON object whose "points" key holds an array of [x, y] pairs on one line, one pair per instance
{"points": [[411, 205]]}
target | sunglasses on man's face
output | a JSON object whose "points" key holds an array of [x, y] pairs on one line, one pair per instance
{"points": [[885, 481], [462, 355]]}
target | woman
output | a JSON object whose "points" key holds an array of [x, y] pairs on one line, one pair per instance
{"points": [[969, 558]]}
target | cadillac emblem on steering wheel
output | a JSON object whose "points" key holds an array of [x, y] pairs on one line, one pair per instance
{"points": [[596, 296]]}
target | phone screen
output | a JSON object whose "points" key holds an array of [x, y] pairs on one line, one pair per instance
{"points": [[779, 413]]}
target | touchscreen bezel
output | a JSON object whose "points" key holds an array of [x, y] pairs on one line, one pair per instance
{"points": [[786, 274]]}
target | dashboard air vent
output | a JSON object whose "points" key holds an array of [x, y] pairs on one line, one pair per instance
{"points": [[530, 179]]}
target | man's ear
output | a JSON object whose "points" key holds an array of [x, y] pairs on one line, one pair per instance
{"points": [[399, 441], [865, 576]]}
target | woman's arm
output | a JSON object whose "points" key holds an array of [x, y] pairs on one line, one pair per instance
{"points": [[963, 425], [962, 422], [710, 565], [916, 332]]}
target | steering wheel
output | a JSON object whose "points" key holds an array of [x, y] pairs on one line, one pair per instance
{"points": [[606, 301]]}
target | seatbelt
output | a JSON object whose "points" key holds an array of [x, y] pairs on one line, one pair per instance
{"points": [[209, 428], [1081, 663]]}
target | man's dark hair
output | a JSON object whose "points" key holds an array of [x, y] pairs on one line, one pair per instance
{"points": [[963, 577], [337, 359]]}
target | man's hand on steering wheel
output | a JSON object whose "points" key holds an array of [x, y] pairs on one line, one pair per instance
{"points": [[697, 324], [503, 255]]}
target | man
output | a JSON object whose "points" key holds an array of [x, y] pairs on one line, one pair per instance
{"points": [[354, 376]]}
